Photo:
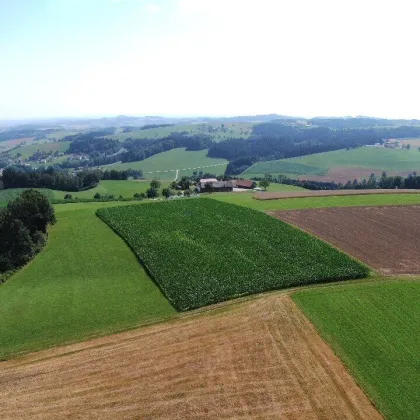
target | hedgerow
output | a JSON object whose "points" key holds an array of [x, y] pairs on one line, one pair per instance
{"points": [[203, 251]]}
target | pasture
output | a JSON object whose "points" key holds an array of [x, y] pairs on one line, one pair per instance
{"points": [[164, 165], [374, 328], [85, 282], [203, 251], [260, 360]]}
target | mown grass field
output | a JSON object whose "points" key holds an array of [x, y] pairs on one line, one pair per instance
{"points": [[28, 150], [202, 251], [164, 165], [85, 282], [237, 129], [379, 158], [374, 328]]}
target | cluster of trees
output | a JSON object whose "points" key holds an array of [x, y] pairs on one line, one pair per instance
{"points": [[23, 229], [52, 178]]}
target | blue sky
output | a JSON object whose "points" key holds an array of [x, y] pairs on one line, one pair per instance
{"points": [[208, 57]]}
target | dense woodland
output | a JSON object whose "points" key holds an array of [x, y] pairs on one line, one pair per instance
{"points": [[23, 229]]}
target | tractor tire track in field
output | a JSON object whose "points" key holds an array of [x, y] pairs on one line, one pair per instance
{"points": [[260, 359]]}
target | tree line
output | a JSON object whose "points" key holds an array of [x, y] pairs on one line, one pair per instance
{"points": [[59, 179], [23, 229]]}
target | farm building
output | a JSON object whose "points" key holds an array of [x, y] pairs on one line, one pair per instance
{"points": [[217, 186], [244, 183], [392, 143]]}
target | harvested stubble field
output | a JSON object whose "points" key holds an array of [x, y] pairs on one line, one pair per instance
{"points": [[262, 359], [386, 238], [326, 193]]}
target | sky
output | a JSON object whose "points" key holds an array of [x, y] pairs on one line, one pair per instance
{"points": [[68, 58]]}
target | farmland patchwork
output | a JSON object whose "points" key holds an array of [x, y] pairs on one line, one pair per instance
{"points": [[203, 251]]}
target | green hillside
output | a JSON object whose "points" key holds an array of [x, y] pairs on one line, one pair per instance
{"points": [[374, 328], [379, 158], [164, 165]]}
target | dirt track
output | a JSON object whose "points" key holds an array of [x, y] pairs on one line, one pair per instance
{"points": [[324, 193], [387, 238], [262, 359]]}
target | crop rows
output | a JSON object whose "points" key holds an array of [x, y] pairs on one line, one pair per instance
{"points": [[204, 251]]}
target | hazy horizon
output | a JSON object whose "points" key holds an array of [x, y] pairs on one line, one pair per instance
{"points": [[221, 58]]}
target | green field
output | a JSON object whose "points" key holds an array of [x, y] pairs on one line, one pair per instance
{"points": [[283, 166], [125, 188], [379, 158], [202, 251], [374, 328], [10, 194], [164, 165], [85, 282], [247, 200], [237, 129], [28, 150]]}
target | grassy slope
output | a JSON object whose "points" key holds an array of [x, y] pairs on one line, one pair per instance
{"points": [[167, 162], [86, 281], [374, 328], [362, 157], [246, 200]]}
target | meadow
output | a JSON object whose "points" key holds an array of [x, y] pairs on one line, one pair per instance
{"points": [[373, 158], [374, 328], [203, 251], [164, 165], [85, 282]]}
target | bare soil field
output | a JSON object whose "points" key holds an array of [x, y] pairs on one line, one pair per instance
{"points": [[386, 238], [326, 193], [260, 359], [342, 174]]}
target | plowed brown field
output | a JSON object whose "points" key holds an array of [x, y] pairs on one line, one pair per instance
{"points": [[325, 193], [262, 359], [387, 238]]}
